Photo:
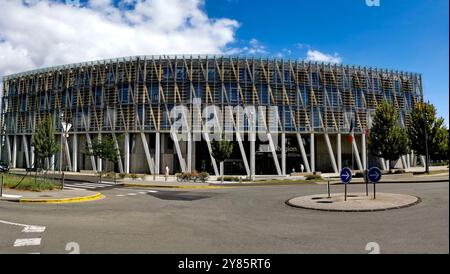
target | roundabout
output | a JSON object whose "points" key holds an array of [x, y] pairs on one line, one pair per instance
{"points": [[356, 202]]}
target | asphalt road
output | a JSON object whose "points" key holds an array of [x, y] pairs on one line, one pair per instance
{"points": [[230, 220]]}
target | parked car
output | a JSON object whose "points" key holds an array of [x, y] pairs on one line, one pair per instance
{"points": [[4, 167]]}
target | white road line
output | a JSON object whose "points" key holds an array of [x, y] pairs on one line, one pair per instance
{"points": [[33, 229], [121, 195], [35, 253], [27, 242], [132, 194], [17, 224], [143, 192], [152, 191]]}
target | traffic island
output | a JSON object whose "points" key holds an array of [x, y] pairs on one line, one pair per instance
{"points": [[51, 197], [356, 202]]}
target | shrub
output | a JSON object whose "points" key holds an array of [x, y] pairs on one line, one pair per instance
{"points": [[192, 176], [122, 175], [313, 177], [134, 175]]}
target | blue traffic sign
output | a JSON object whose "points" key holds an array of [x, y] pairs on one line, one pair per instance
{"points": [[374, 175], [346, 175]]}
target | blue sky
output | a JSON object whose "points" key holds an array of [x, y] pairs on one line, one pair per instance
{"points": [[409, 35]]}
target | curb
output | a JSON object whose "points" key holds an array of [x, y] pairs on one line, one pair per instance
{"points": [[173, 186], [94, 197], [288, 203], [393, 182]]}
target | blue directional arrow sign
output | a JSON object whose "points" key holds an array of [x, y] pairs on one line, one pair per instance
{"points": [[346, 175], [374, 175]]}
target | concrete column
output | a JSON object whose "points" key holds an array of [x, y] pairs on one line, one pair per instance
{"points": [[157, 153], [74, 153], [99, 161], [14, 152], [127, 153], [252, 155], [408, 160], [339, 151], [364, 152], [189, 152], [8, 149], [331, 153], [283, 153], [312, 153], [33, 164], [52, 162], [25, 149]]}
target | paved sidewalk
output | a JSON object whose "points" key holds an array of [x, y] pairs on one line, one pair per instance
{"points": [[55, 196]]}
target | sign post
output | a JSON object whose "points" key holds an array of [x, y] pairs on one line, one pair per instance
{"points": [[374, 176], [346, 177], [1, 188]]}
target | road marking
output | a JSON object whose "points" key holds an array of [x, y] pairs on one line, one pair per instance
{"points": [[132, 194], [120, 195], [27, 242], [143, 192], [152, 191], [33, 229], [17, 224]]}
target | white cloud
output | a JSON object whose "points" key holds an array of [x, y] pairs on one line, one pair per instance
{"points": [[253, 47], [44, 33], [315, 55]]}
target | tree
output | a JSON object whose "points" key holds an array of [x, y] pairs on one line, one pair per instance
{"points": [[387, 139], [425, 126], [221, 151], [104, 149], [44, 142]]}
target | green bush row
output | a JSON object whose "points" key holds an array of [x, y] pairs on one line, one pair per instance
{"points": [[192, 176]]}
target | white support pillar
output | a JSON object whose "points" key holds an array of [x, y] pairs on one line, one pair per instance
{"points": [[402, 158], [303, 152], [408, 160], [339, 151], [364, 152], [14, 153], [157, 153], [413, 159], [213, 161], [52, 163], [242, 149], [127, 153], [331, 153], [74, 153], [69, 161], [356, 153], [8, 149], [88, 140], [189, 152], [150, 161], [383, 163], [283, 153], [252, 154], [25, 149], [178, 149], [119, 157], [274, 153], [99, 161], [32, 158], [312, 153]]}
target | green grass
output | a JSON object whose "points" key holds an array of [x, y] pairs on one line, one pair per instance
{"points": [[11, 181]]}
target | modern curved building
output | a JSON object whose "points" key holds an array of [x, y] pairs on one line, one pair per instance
{"points": [[300, 113]]}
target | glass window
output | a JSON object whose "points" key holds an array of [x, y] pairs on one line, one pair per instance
{"points": [[98, 96], [24, 103], [315, 79], [233, 93], [264, 94], [124, 95]]}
